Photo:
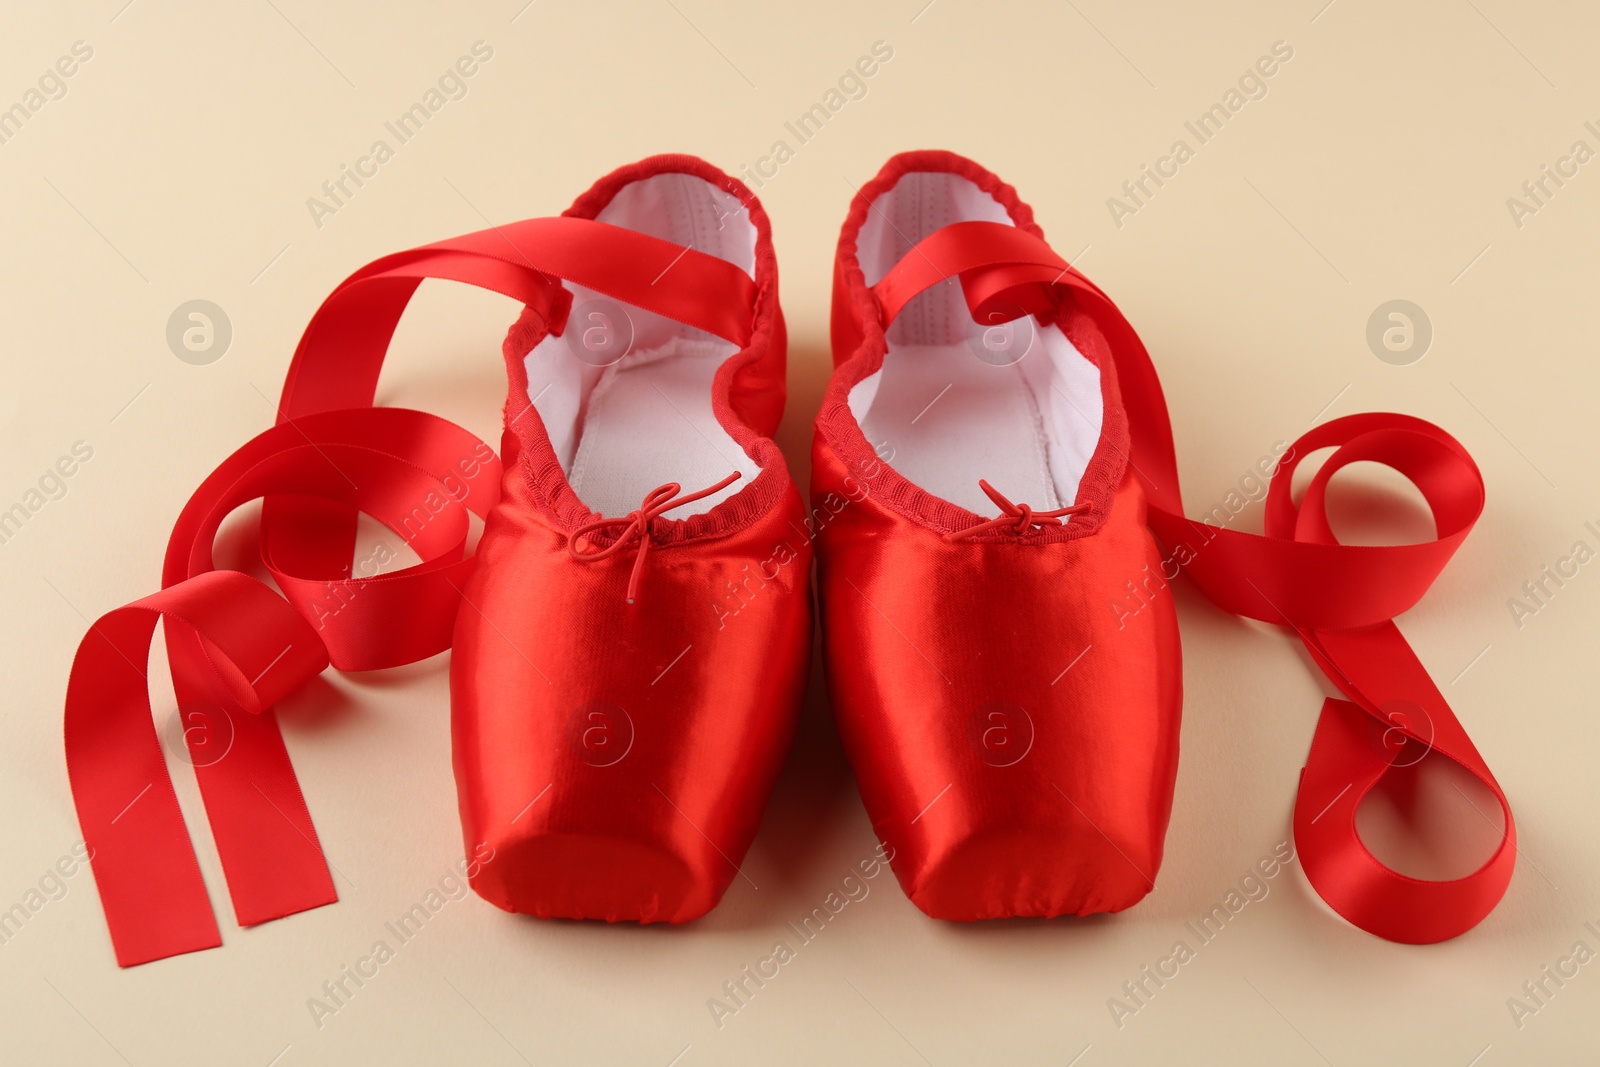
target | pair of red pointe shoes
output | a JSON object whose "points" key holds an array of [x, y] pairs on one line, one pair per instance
{"points": [[631, 654], [992, 464]]}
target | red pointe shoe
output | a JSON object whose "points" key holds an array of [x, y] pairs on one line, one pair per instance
{"points": [[632, 649], [1014, 733], [630, 637]]}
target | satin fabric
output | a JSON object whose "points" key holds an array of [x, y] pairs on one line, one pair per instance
{"points": [[1014, 738], [617, 758]]}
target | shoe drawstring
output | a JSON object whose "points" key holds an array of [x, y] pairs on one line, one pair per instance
{"points": [[1020, 517], [635, 526]]}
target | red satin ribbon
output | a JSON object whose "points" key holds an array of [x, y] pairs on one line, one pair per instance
{"points": [[1340, 599], [236, 647], [1004, 272]]}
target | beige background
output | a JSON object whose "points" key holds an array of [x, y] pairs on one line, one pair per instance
{"points": [[177, 166]]}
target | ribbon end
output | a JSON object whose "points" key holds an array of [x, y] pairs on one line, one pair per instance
{"points": [[136, 946]]}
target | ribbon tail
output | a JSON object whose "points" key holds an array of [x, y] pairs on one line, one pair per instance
{"points": [[149, 881], [1346, 760]]}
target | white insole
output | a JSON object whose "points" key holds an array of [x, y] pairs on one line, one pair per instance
{"points": [[944, 418], [649, 422], [948, 419]]}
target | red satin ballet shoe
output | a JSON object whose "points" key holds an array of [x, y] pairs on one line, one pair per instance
{"points": [[630, 637], [1010, 710], [633, 646]]}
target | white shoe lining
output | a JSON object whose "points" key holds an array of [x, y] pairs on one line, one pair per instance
{"points": [[623, 428], [947, 417]]}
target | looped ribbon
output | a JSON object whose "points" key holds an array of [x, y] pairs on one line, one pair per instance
{"points": [[1003, 275], [1019, 517], [236, 647], [635, 527], [1339, 599]]}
